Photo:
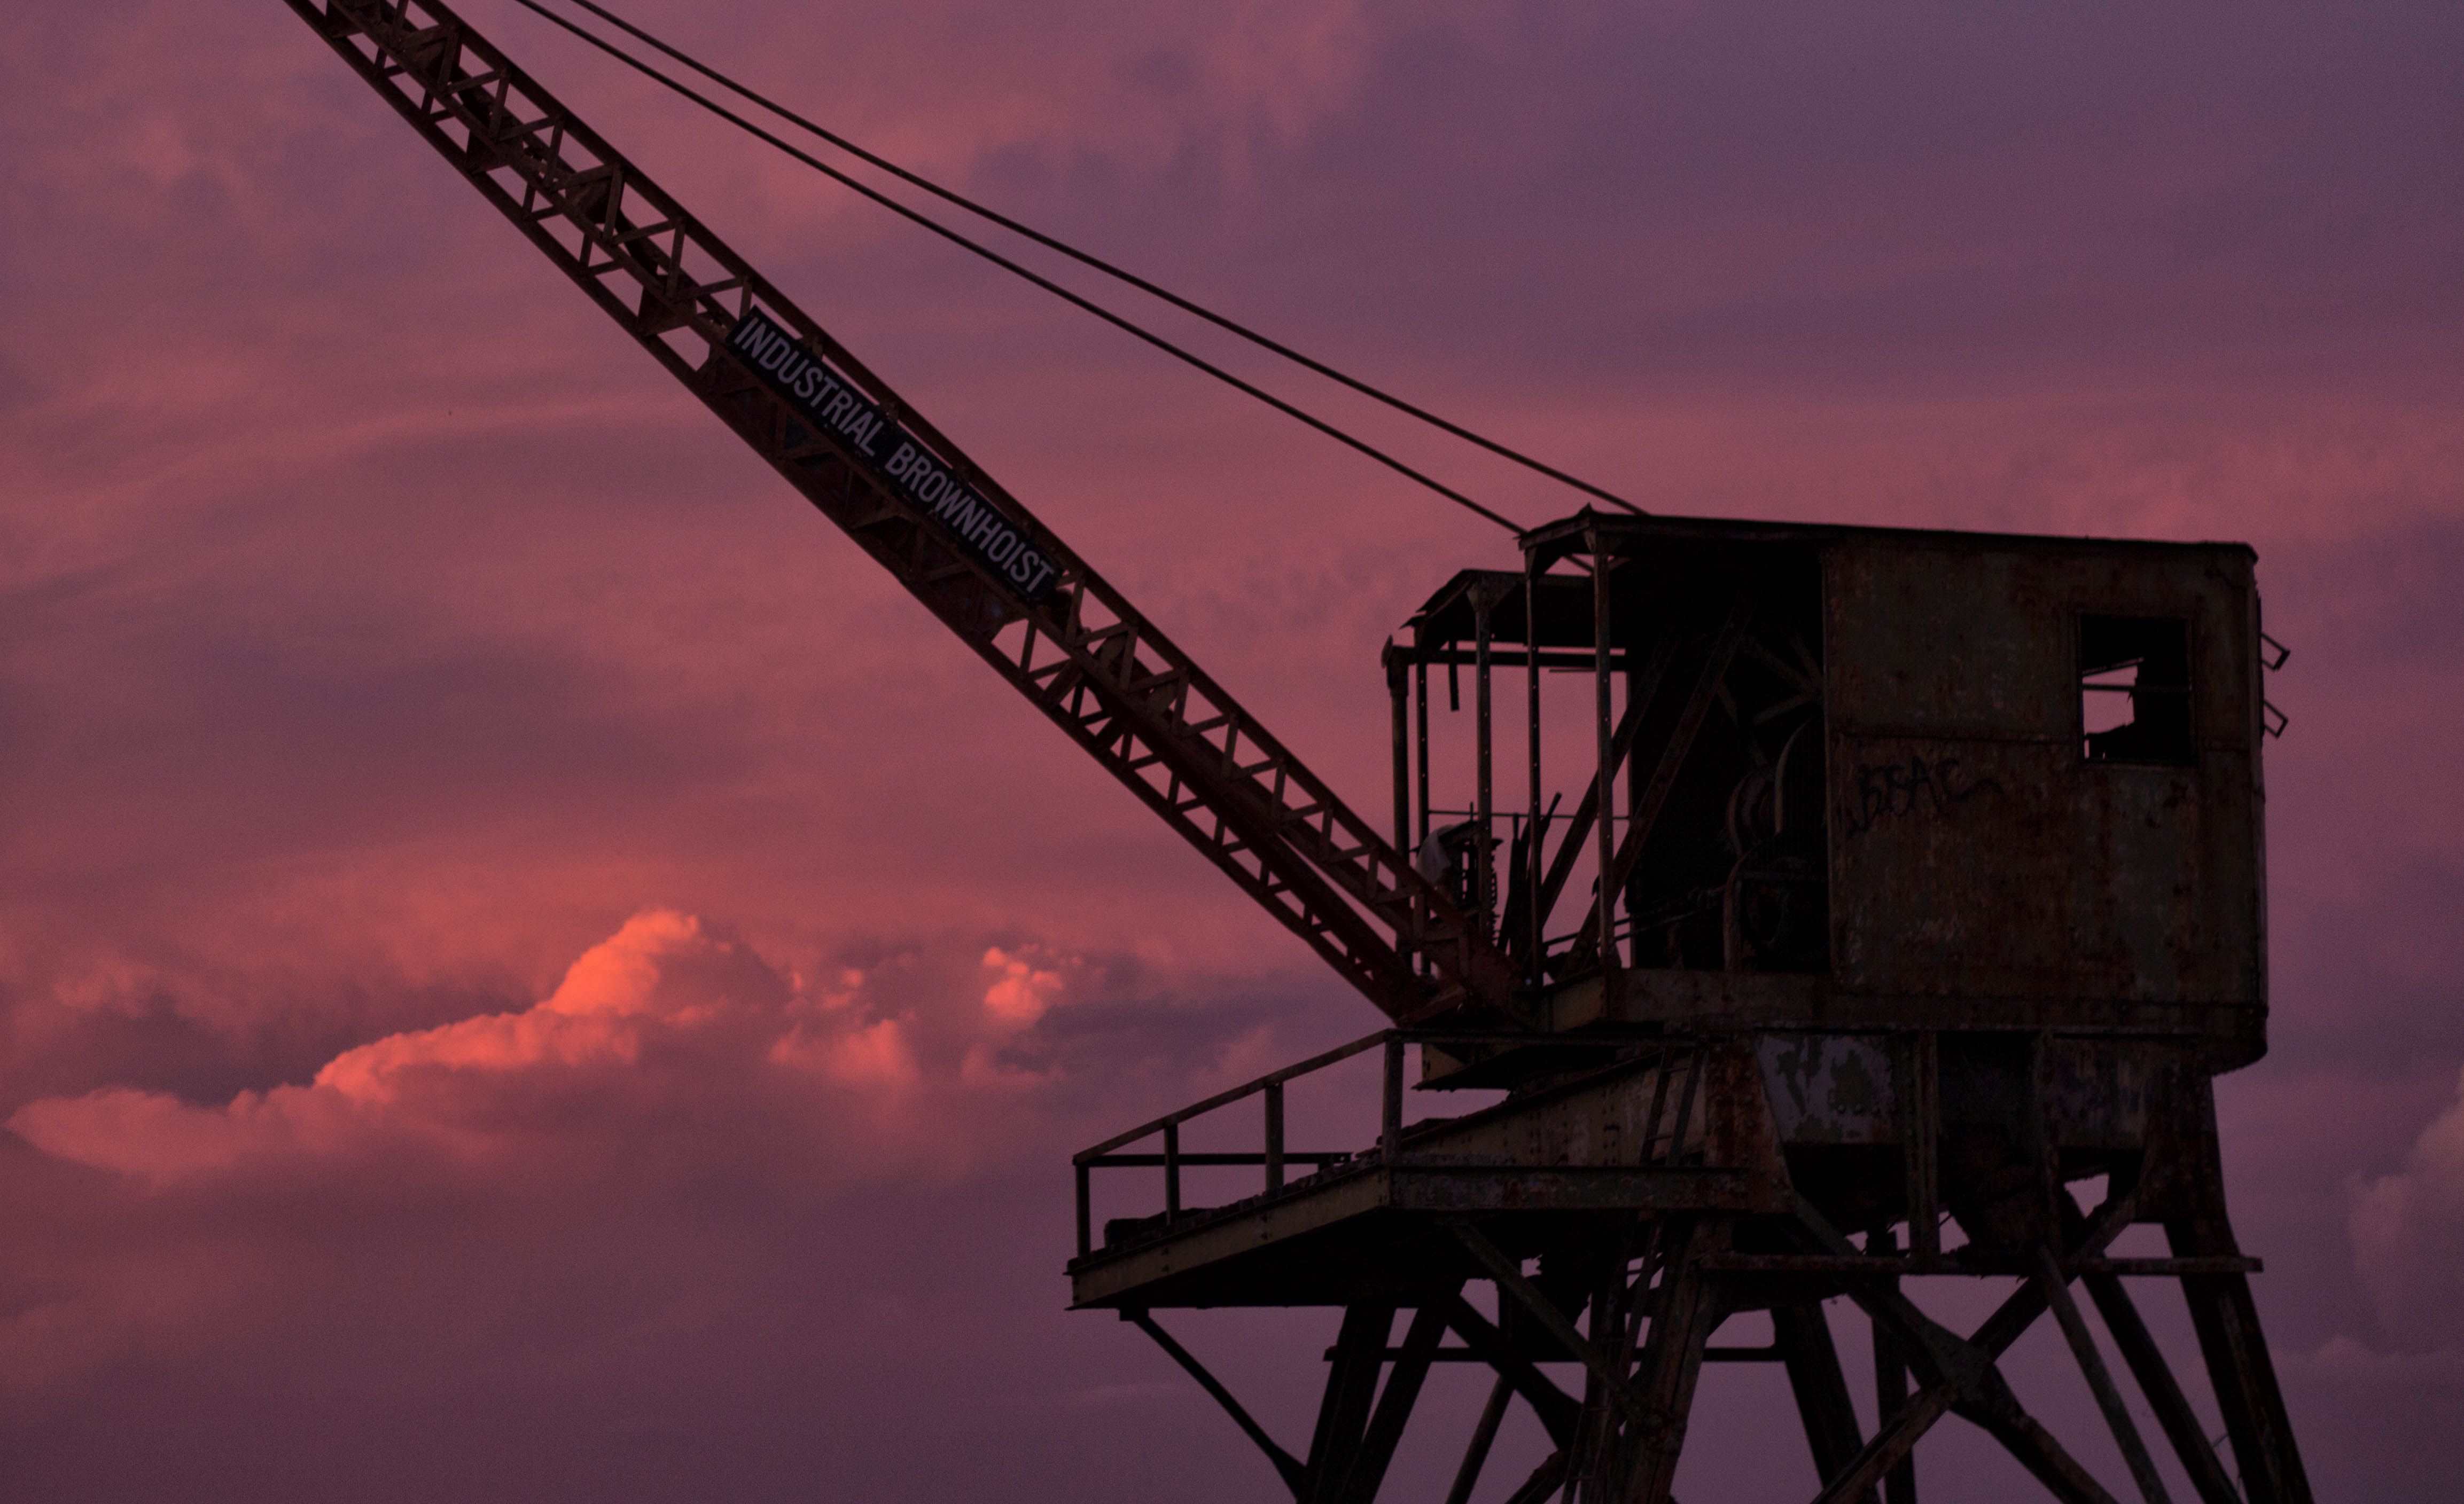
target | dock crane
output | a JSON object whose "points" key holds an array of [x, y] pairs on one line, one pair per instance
{"points": [[1928, 886]]}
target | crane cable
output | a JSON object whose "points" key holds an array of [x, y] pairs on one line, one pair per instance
{"points": [[1107, 268], [715, 108]]}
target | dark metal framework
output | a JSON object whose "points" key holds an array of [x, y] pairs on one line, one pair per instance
{"points": [[1661, 1194], [1894, 950], [1081, 652], [1806, 1001], [1843, 771]]}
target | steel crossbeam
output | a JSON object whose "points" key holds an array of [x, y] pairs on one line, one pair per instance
{"points": [[1116, 684]]}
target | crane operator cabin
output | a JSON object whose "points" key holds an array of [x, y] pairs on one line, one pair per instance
{"points": [[1866, 777]]}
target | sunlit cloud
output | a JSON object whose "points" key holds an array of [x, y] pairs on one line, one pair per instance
{"points": [[1021, 988], [662, 979]]}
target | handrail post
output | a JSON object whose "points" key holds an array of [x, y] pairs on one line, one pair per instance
{"points": [[1086, 1215], [1483, 887], [1604, 643], [1274, 1095], [1391, 1127], [1532, 866], [1172, 1172]]}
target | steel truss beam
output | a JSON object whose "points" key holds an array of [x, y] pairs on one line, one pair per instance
{"points": [[1647, 1340], [1360, 1421], [1109, 679], [2156, 1380], [1633, 1287], [1287, 1467], [1803, 1336]]}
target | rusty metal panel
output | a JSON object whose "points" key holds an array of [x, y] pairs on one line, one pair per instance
{"points": [[1975, 850], [1830, 1088], [1915, 637], [1607, 1120], [1576, 1188], [2099, 1094], [1976, 636], [1205, 1240], [2011, 869]]}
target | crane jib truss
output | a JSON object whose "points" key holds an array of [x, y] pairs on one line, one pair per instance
{"points": [[976, 558]]}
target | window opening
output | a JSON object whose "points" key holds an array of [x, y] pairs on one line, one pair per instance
{"points": [[2134, 679]]}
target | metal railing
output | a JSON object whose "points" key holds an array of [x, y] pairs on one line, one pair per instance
{"points": [[1274, 1155]]}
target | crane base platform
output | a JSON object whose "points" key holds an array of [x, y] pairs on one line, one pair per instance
{"points": [[1623, 1208]]}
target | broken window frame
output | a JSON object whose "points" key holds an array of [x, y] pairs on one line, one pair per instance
{"points": [[2180, 746]]}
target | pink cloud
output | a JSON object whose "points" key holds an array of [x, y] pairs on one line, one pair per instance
{"points": [[1021, 989], [875, 1055], [148, 1134], [664, 1007], [2407, 1231], [689, 1188]]}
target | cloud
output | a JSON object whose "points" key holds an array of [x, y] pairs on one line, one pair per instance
{"points": [[1021, 989], [691, 1192], [2408, 1231], [672, 1022], [876, 1054], [666, 1008]]}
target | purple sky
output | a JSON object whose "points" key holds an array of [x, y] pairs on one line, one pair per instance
{"points": [[530, 970]]}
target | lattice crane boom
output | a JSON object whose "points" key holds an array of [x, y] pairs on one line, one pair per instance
{"points": [[968, 550]]}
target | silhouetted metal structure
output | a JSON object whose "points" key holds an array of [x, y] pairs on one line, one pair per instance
{"points": [[1934, 890], [1915, 877]]}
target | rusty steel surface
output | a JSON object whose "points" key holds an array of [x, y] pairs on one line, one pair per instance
{"points": [[1748, 1123], [1974, 851], [1901, 887], [1842, 774]]}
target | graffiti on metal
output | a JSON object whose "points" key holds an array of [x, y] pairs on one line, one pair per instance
{"points": [[1828, 1088], [1899, 789]]}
